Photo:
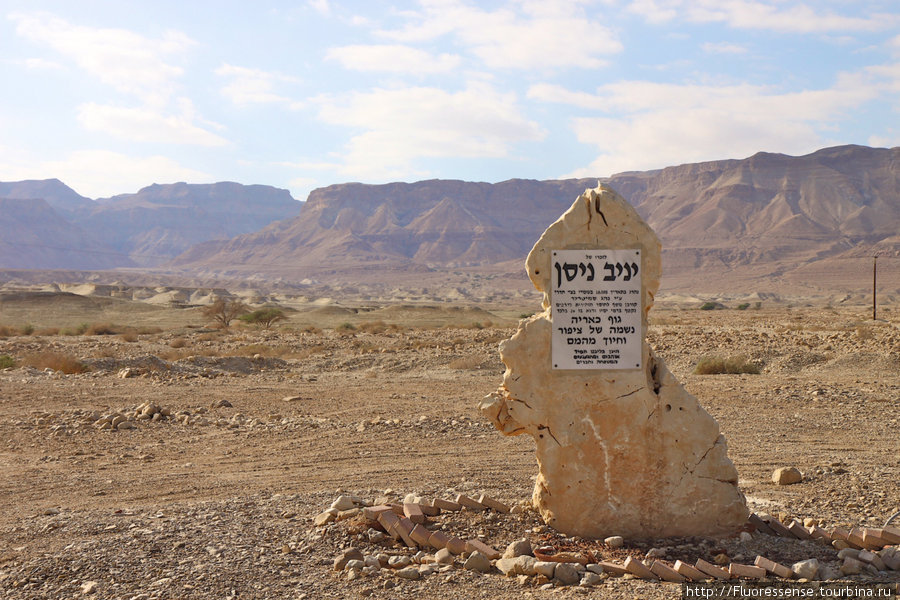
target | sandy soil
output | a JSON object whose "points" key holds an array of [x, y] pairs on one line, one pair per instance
{"points": [[267, 428]]}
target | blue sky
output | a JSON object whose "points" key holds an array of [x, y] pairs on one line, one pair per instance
{"points": [[113, 95]]}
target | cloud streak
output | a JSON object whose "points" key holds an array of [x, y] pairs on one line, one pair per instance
{"points": [[400, 126]]}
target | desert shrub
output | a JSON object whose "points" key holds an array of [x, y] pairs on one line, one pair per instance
{"points": [[58, 361], [708, 306], [7, 361], [311, 329], [732, 365], [101, 329], [79, 330], [345, 328], [129, 337], [743, 306], [7, 331], [148, 330], [373, 327], [178, 342], [47, 331], [264, 316], [27, 329], [224, 311]]}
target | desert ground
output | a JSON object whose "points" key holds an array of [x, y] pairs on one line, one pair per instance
{"points": [[263, 429]]}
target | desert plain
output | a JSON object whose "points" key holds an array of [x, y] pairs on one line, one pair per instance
{"points": [[263, 429]]}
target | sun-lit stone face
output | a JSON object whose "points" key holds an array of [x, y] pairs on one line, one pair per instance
{"points": [[621, 451]]}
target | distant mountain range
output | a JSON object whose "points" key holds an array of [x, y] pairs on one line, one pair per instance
{"points": [[53, 227], [758, 223]]}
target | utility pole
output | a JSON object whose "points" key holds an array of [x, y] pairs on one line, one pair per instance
{"points": [[874, 284]]}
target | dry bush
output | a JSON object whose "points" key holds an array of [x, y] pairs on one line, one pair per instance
{"points": [[47, 331], [7, 331], [732, 365], [465, 363], [209, 337], [102, 329], [178, 342], [129, 337], [345, 328], [148, 330], [311, 329], [58, 361], [106, 353]]}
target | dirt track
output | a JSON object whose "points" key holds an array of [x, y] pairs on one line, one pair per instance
{"points": [[223, 506]]}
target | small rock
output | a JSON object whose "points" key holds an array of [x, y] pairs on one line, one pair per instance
{"points": [[478, 562], [518, 548], [443, 557], [346, 556], [545, 568], [221, 403], [810, 522], [852, 566], [409, 573], [355, 565], [839, 544], [786, 476], [566, 574], [848, 552], [50, 511], [721, 559], [399, 562], [806, 569], [656, 552], [828, 573], [343, 503], [746, 537], [324, 518], [614, 541], [88, 587], [589, 579]]}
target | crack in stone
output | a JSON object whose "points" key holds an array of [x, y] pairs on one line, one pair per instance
{"points": [[630, 393], [522, 401], [550, 432]]}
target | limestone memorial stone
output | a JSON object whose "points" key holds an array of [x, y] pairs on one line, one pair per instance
{"points": [[622, 448]]}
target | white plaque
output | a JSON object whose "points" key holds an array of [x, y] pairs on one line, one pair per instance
{"points": [[596, 309]]}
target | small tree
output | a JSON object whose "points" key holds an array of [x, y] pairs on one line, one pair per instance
{"points": [[224, 311], [264, 316]]}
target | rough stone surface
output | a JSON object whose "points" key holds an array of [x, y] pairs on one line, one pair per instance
{"points": [[806, 569], [566, 574], [628, 452], [520, 547], [787, 476], [478, 562]]}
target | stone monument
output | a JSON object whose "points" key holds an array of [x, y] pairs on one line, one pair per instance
{"points": [[622, 448]]}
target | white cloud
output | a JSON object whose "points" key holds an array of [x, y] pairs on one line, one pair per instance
{"points": [[526, 34], [101, 173], [723, 48], [323, 7], [255, 86], [147, 125], [757, 14], [392, 58], [127, 61], [401, 125], [663, 124]]}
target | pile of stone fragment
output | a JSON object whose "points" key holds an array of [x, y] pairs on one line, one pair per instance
{"points": [[864, 550]]}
